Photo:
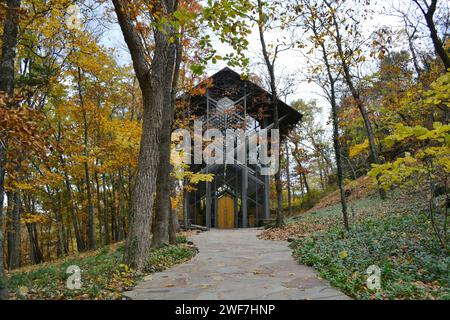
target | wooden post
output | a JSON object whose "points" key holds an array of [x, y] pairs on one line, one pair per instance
{"points": [[216, 205], [266, 195], [186, 209], [208, 204], [208, 184], [194, 213], [236, 208], [266, 198], [256, 205], [236, 195], [244, 197]]}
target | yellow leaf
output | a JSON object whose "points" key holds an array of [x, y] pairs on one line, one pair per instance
{"points": [[359, 148], [343, 254], [23, 291]]}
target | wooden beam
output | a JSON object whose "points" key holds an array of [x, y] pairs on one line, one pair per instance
{"points": [[236, 204], [208, 204], [266, 197], [257, 206], [186, 208], [244, 197], [216, 205]]}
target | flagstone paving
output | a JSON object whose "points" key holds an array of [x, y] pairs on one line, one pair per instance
{"points": [[236, 265]]}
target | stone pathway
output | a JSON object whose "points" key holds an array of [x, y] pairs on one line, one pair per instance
{"points": [[236, 265]]}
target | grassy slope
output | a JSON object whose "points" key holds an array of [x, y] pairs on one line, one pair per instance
{"points": [[391, 234], [103, 275]]}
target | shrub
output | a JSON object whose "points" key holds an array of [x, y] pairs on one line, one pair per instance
{"points": [[413, 265]]}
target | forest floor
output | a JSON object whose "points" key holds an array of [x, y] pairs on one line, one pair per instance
{"points": [[394, 235], [358, 189], [103, 276]]}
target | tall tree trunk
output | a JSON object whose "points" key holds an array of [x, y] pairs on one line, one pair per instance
{"points": [[8, 56], [173, 222], [410, 37], [163, 218], [336, 143], [121, 216], [3, 290], [288, 176], [71, 208], [356, 95], [130, 198], [15, 226], [274, 104], [154, 82], [9, 41], [14, 258], [105, 210], [428, 13], [9, 210], [114, 234], [35, 250], [91, 223], [321, 173], [62, 236], [162, 212], [305, 181], [302, 189], [99, 208], [173, 226], [70, 245]]}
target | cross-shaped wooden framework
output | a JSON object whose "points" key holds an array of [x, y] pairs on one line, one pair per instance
{"points": [[230, 102]]}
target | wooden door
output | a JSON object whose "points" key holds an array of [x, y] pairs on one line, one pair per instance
{"points": [[225, 214]]}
